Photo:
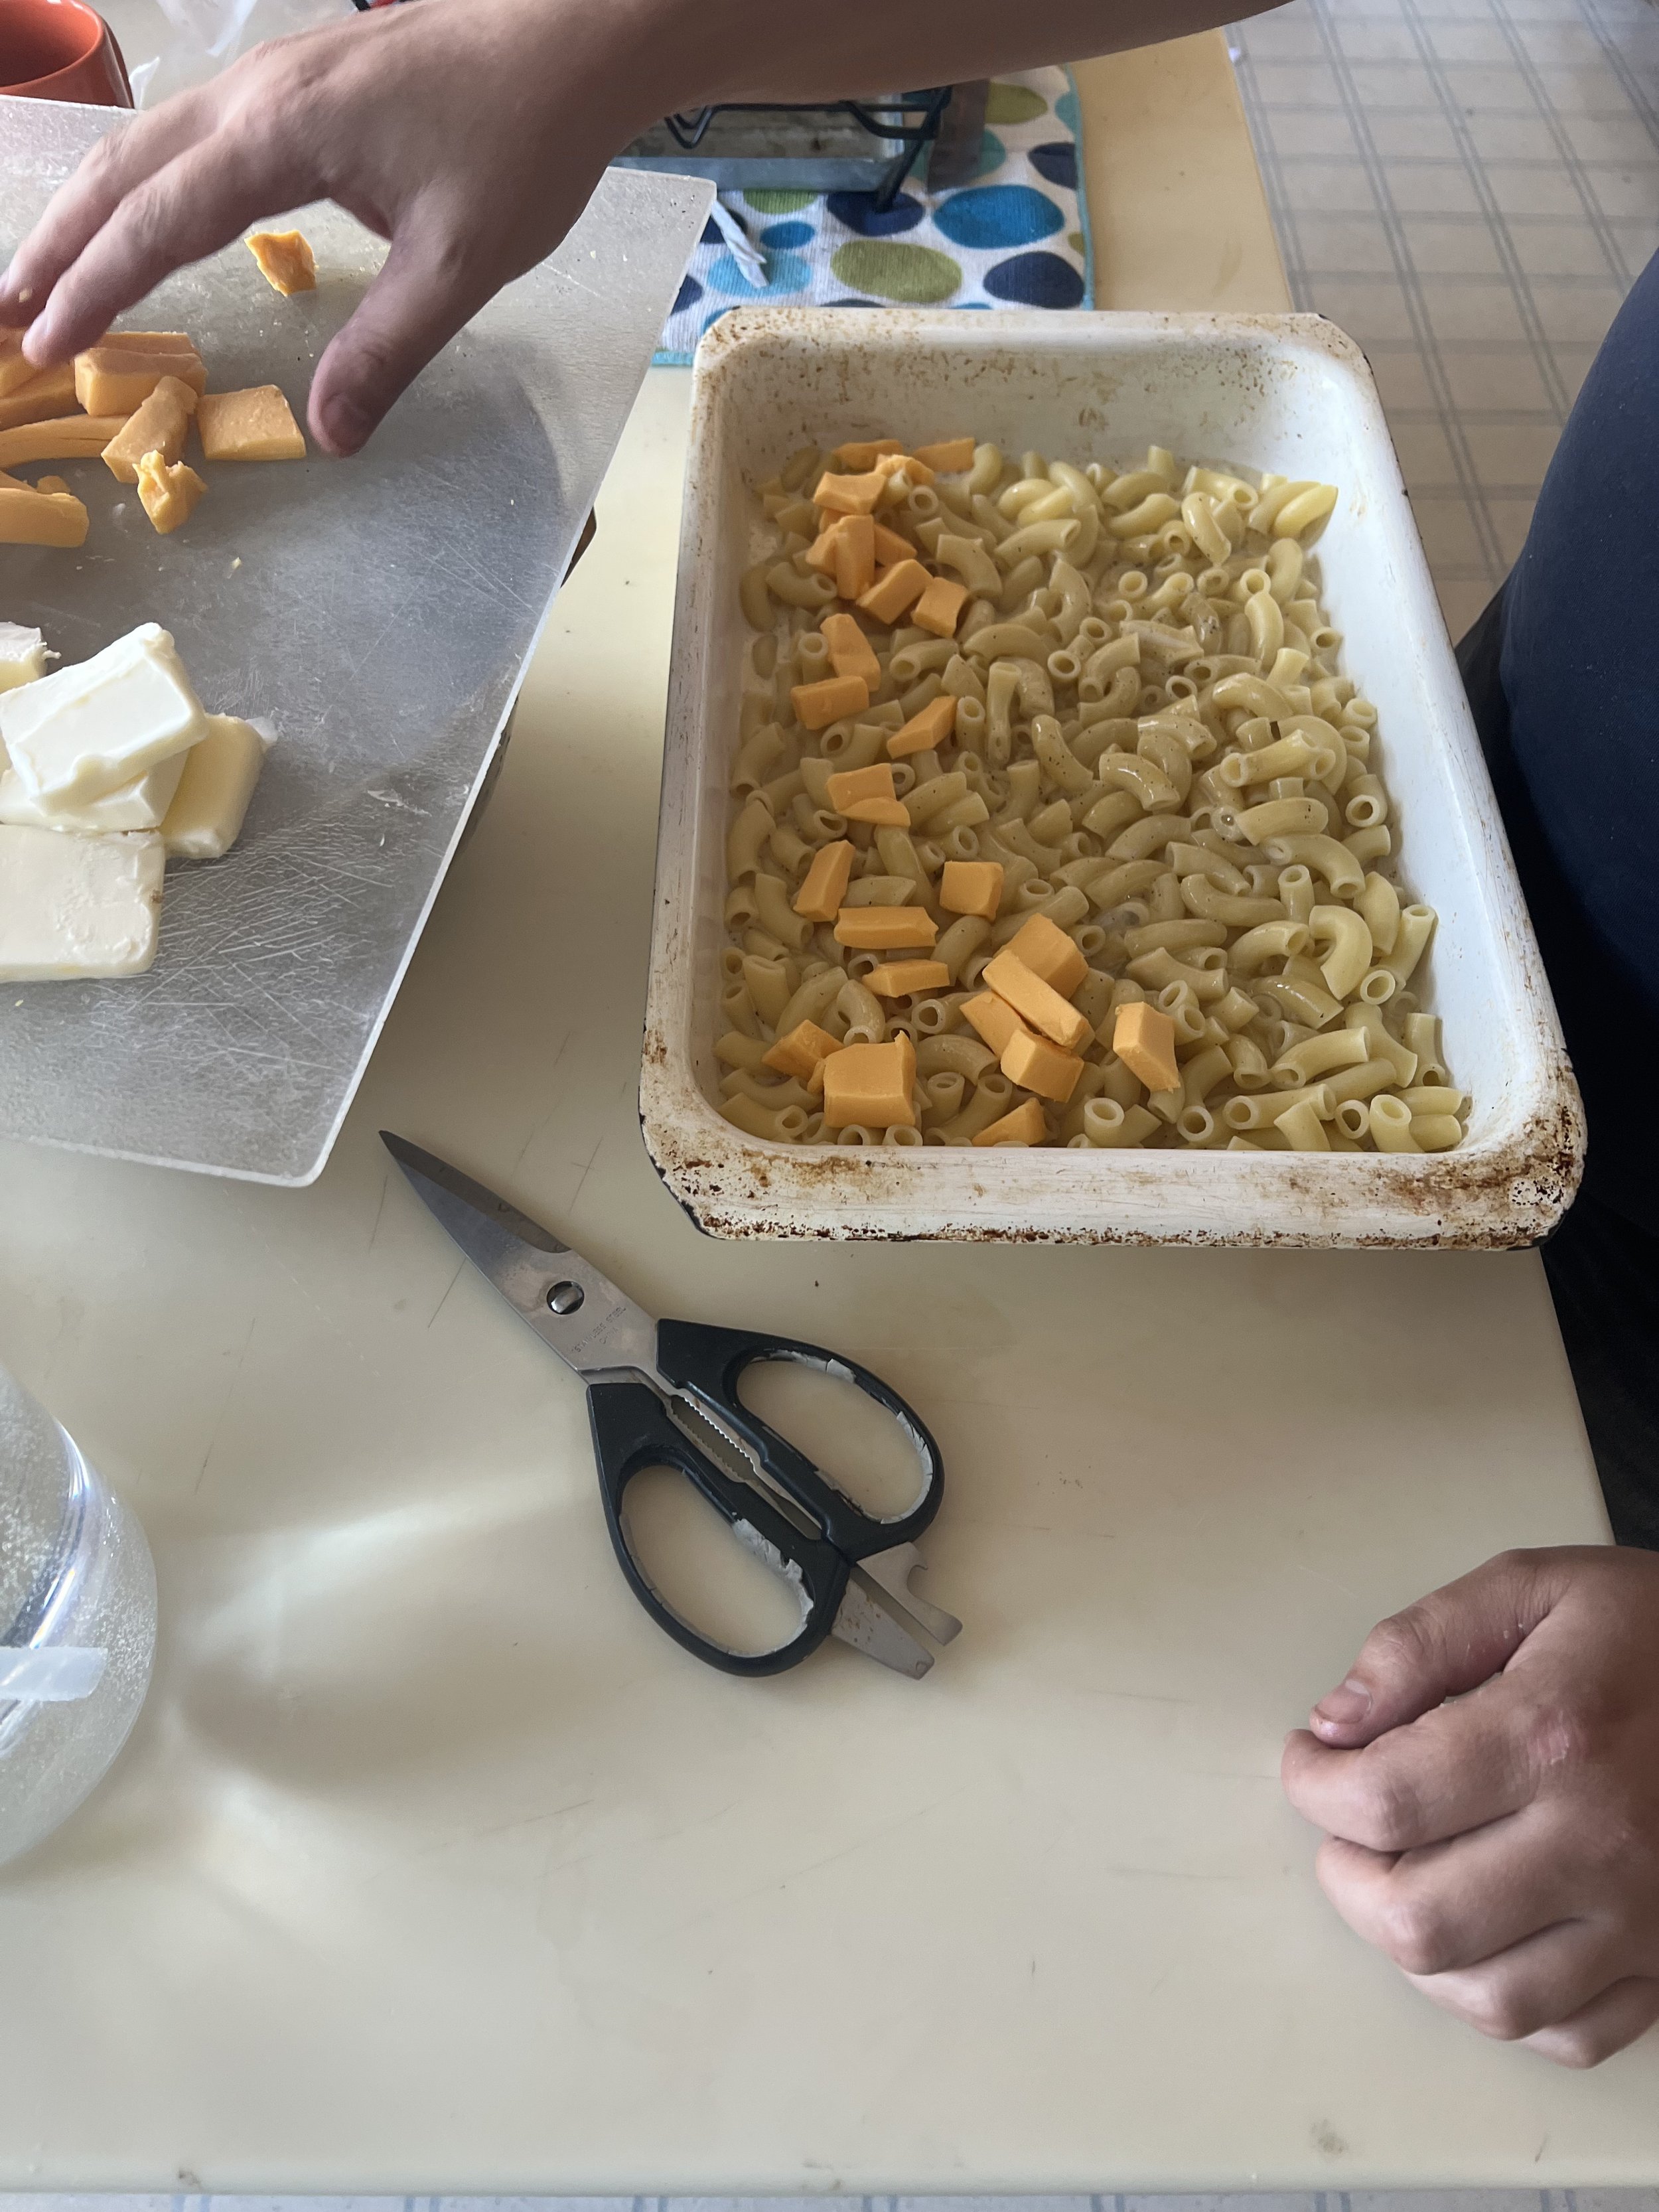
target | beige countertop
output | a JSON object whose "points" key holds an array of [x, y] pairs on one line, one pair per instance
{"points": [[432, 1865]]}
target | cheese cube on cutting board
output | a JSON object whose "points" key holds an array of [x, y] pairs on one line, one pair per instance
{"points": [[219, 775], [22, 655], [72, 907], [87, 730], [140, 804]]}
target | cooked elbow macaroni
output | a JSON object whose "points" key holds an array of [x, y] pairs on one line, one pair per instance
{"points": [[1054, 813]]}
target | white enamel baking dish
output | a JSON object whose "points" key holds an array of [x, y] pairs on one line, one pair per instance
{"points": [[1288, 394]]}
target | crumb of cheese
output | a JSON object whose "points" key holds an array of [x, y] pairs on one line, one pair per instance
{"points": [[169, 491], [286, 260]]}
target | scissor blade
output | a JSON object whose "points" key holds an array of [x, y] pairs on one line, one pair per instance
{"points": [[862, 1621], [590, 1324], [892, 1570]]}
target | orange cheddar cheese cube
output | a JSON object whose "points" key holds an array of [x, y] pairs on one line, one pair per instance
{"points": [[949, 457], [1143, 1039], [889, 464], [894, 590], [16, 366], [885, 928], [50, 392], [852, 784], [829, 700], [160, 426], [68, 438], [890, 547], [1024, 1126], [939, 607], [871, 1083], [1035, 1064], [925, 731], [1048, 952], [28, 517], [110, 380], [167, 491], [826, 886], [286, 260], [854, 556], [971, 887], [880, 813], [849, 495], [994, 1019], [860, 454], [821, 553], [851, 653], [801, 1050], [1034, 1000], [901, 978], [255, 425]]}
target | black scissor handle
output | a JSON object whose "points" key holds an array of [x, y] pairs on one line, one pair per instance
{"points": [[711, 1362], [632, 1431]]}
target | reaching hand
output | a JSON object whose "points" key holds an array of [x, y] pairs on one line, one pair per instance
{"points": [[469, 133], [1503, 1848]]}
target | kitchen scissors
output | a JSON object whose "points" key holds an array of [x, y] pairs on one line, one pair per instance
{"points": [[664, 1393]]}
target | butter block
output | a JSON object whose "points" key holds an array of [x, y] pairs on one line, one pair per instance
{"points": [[74, 906], [286, 260], [167, 492], [160, 426], [22, 655], [255, 425], [89, 728], [205, 818], [140, 804]]}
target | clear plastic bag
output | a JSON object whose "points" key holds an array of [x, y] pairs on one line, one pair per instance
{"points": [[207, 35]]}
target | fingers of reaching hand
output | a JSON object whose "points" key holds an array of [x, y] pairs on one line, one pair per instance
{"points": [[1608, 2023], [191, 207], [1448, 1643], [1456, 1768], [121, 160], [433, 279]]}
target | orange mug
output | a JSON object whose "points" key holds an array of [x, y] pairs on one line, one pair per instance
{"points": [[61, 49]]}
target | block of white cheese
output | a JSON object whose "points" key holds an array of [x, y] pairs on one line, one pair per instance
{"points": [[22, 655], [77, 906], [89, 728], [140, 804], [220, 773]]}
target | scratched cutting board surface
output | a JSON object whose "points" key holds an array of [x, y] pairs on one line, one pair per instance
{"points": [[379, 612]]}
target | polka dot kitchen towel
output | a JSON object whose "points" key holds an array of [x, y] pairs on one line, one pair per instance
{"points": [[1017, 237]]}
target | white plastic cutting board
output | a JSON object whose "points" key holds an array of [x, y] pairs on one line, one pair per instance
{"points": [[380, 611]]}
